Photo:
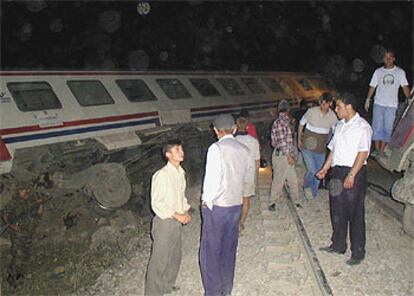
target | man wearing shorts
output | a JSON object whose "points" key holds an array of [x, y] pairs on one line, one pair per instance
{"points": [[385, 82]]}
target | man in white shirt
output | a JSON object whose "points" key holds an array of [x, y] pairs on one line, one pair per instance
{"points": [[224, 184], [385, 82], [347, 161], [254, 148], [169, 203]]}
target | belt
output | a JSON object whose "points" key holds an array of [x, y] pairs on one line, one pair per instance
{"points": [[277, 152]]}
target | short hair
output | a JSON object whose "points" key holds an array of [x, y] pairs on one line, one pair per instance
{"points": [[244, 113], [349, 98], [242, 123], [170, 144], [327, 97], [283, 106], [391, 51]]}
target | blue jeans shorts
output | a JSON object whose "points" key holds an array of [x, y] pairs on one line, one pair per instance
{"points": [[382, 123]]}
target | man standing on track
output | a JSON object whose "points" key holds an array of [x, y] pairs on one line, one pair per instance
{"points": [[347, 161], [224, 183]]}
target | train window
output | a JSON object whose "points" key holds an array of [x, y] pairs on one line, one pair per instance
{"points": [[136, 90], [205, 87], [90, 92], [231, 86], [273, 85], [33, 96], [305, 84], [173, 88], [253, 85]]}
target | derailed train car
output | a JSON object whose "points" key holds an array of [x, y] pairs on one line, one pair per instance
{"points": [[100, 132]]}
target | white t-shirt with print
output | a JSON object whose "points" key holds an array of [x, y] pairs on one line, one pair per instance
{"points": [[387, 83]]}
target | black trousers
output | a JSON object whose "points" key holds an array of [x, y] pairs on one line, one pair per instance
{"points": [[347, 207]]}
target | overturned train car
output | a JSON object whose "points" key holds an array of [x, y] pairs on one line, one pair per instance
{"points": [[101, 132]]}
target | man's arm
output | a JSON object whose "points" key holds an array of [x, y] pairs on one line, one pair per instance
{"points": [[326, 166], [358, 163], [371, 91], [300, 131], [406, 91], [159, 192], [212, 177]]}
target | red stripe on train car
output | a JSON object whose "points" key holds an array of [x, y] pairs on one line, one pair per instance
{"points": [[4, 152], [31, 128], [407, 136]]}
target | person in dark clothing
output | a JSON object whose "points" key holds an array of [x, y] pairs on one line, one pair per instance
{"points": [[346, 162]]}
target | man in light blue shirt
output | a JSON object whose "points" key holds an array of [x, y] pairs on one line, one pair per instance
{"points": [[224, 183]]}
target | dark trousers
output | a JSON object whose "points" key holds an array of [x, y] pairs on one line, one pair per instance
{"points": [[218, 246], [165, 259], [347, 207]]}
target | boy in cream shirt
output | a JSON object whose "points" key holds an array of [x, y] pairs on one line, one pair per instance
{"points": [[170, 206]]}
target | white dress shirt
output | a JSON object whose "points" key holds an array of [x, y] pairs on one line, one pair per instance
{"points": [[349, 139], [168, 191]]}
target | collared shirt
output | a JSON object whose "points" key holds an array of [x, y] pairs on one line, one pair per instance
{"points": [[318, 122], [168, 191], [282, 138], [226, 173], [349, 139]]}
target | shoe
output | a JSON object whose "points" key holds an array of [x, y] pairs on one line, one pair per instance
{"points": [[354, 261], [375, 153], [272, 207], [331, 250], [173, 289]]}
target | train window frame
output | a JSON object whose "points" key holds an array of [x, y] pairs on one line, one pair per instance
{"points": [[279, 87], [21, 103], [166, 88], [256, 83], [209, 85], [81, 101], [223, 81], [143, 85], [302, 82]]}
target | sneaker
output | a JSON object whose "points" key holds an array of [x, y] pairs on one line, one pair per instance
{"points": [[354, 261], [375, 153], [272, 207], [331, 250]]}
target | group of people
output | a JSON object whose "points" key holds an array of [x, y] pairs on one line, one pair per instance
{"points": [[231, 172]]}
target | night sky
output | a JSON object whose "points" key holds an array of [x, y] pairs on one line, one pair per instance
{"points": [[341, 39]]}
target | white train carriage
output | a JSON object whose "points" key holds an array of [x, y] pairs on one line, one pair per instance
{"points": [[38, 108]]}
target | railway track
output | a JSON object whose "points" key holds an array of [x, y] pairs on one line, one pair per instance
{"points": [[288, 246]]}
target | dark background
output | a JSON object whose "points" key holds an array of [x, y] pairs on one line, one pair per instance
{"points": [[343, 40]]}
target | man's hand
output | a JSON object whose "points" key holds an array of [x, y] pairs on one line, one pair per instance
{"points": [[182, 218], [349, 182], [322, 173], [367, 104]]}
